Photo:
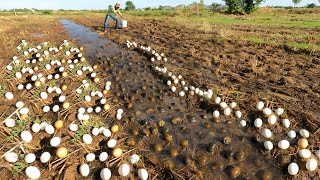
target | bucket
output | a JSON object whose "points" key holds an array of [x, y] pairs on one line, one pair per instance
{"points": [[124, 23]]}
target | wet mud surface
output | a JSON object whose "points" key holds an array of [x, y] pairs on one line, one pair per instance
{"points": [[213, 148]]}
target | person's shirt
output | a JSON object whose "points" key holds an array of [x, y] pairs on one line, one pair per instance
{"points": [[114, 11]]}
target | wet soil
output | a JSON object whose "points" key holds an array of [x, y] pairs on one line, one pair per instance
{"points": [[244, 71]]}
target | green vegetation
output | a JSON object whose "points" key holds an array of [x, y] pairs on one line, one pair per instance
{"points": [[130, 6]]}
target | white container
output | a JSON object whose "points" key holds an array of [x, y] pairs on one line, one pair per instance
{"points": [[124, 23]]}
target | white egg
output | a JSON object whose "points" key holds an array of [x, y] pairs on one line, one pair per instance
{"points": [[98, 109], [272, 119], [55, 141], [28, 86], [268, 145], [43, 125], [243, 123], [87, 98], [11, 157], [33, 172], [312, 164], [73, 127], [223, 105], [101, 129], [19, 104], [168, 82], [26, 136], [112, 143], [34, 78], [260, 105], [227, 111], [49, 129], [266, 133], [119, 111], [35, 127], [46, 109], [107, 133], [90, 157], [304, 133], [233, 104], [62, 98], [10, 122], [87, 139], [143, 174], [9, 95], [105, 174], [267, 111], [305, 153], [182, 93], [176, 81], [84, 170], [68, 53], [124, 169], [238, 114], [118, 116], [103, 101], [80, 116], [292, 134], [89, 110], [24, 111], [283, 144], [258, 123], [79, 91], [9, 67], [55, 108], [95, 131], [20, 87], [56, 76], [173, 89], [293, 169], [279, 111], [61, 69], [79, 72], [103, 156], [58, 91], [29, 158], [216, 114], [133, 159], [43, 95], [86, 117], [45, 157], [286, 123], [48, 66]]}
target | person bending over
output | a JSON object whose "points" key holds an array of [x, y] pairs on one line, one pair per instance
{"points": [[112, 13]]}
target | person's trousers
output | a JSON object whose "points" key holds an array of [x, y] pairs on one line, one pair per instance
{"points": [[107, 20]]}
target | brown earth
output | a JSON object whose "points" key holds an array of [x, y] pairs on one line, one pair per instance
{"points": [[287, 77]]}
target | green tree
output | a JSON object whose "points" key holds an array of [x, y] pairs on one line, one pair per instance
{"points": [[251, 5], [239, 6], [295, 2], [130, 6], [233, 6]]}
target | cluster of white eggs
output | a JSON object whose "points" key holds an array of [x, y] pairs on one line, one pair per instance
{"points": [[124, 169], [272, 117], [177, 81], [33, 172]]}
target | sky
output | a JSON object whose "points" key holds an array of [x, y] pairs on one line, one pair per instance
{"points": [[103, 4]]}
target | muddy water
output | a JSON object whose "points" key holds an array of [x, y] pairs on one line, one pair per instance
{"points": [[147, 100], [94, 45]]}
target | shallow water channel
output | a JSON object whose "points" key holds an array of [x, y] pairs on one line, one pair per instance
{"points": [[214, 148]]}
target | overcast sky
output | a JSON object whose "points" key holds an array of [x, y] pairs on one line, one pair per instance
{"points": [[103, 4]]}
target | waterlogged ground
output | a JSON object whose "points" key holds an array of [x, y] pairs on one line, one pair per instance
{"points": [[201, 147], [147, 100]]}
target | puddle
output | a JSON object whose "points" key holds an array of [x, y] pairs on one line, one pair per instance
{"points": [[94, 45], [147, 100]]}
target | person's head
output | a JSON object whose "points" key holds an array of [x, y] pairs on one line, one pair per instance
{"points": [[117, 6]]}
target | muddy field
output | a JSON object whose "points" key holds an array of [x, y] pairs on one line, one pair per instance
{"points": [[177, 136]]}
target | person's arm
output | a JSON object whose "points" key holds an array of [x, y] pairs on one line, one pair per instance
{"points": [[120, 14]]}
